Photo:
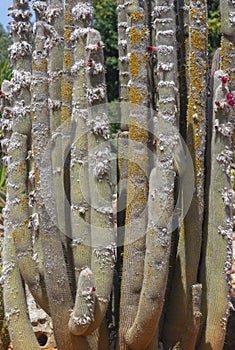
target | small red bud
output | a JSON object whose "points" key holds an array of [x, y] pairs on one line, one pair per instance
{"points": [[90, 63], [93, 289], [99, 45], [151, 48], [224, 80], [229, 96], [2, 93], [217, 103], [231, 103]]}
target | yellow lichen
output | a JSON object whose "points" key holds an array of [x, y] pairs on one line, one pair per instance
{"points": [[136, 97], [136, 35], [68, 59], [67, 91], [135, 63], [198, 40], [65, 116], [39, 66], [136, 16]]}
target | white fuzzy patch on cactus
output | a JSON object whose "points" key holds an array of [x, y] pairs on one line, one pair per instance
{"points": [[19, 14], [97, 69], [168, 33], [54, 13], [82, 11], [20, 28], [159, 10], [19, 50], [77, 67], [79, 33], [100, 126], [96, 94], [100, 162], [34, 221], [123, 25], [225, 159], [40, 7], [165, 49], [166, 67]]}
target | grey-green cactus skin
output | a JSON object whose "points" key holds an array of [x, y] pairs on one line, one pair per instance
{"points": [[59, 234]]}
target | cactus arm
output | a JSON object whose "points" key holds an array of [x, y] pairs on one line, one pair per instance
{"points": [[160, 207], [56, 278], [20, 85], [219, 230], [137, 186], [55, 69], [102, 234], [19, 326], [80, 196], [83, 311]]}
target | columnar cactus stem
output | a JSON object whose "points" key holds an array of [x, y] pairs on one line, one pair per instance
{"points": [[187, 264], [160, 206], [56, 278], [219, 232], [20, 329], [102, 232], [55, 71], [137, 189], [19, 326], [80, 196], [21, 55]]}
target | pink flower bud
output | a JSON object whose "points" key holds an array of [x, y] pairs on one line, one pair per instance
{"points": [[229, 96], [224, 80], [231, 103], [151, 48], [217, 103]]}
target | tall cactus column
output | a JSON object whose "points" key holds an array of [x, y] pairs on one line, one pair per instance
{"points": [[56, 277], [137, 189]]}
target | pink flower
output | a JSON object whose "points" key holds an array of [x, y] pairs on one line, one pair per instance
{"points": [[151, 48], [224, 80], [231, 103], [229, 96]]}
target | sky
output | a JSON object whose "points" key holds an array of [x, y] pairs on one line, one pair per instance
{"points": [[4, 18]]}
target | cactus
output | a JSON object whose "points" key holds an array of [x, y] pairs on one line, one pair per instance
{"points": [[172, 254]]}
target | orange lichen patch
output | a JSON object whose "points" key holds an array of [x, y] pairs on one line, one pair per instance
{"points": [[67, 91], [67, 35], [65, 116], [198, 40], [136, 35], [136, 97], [136, 16], [138, 133], [39, 65], [135, 63], [68, 59], [68, 18]]}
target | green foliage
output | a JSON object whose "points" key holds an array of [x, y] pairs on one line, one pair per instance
{"points": [[5, 42], [214, 26], [106, 23], [5, 72]]}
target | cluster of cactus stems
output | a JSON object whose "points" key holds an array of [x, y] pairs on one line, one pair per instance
{"points": [[172, 259]]}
